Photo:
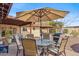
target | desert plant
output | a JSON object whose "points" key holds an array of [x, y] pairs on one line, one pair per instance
{"points": [[65, 31], [74, 33], [8, 33]]}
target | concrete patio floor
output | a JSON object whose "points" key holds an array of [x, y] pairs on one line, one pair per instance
{"points": [[69, 50], [72, 41]]}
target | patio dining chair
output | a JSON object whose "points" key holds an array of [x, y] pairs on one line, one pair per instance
{"points": [[58, 42], [61, 49], [30, 36], [29, 47], [56, 38], [46, 36], [19, 44]]}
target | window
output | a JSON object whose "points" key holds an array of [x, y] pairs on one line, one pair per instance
{"points": [[33, 28], [24, 29], [3, 33]]}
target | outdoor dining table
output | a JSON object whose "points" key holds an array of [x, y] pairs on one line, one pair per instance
{"points": [[44, 44]]}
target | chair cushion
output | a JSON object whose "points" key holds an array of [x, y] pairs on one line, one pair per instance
{"points": [[3, 49], [54, 49], [58, 44]]}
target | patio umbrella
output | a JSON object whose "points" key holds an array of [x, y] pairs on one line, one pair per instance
{"points": [[42, 14]]}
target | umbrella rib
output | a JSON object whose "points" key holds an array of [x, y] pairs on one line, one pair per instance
{"points": [[24, 14], [31, 15], [54, 13], [46, 15]]}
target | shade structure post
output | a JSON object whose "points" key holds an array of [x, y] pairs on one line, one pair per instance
{"points": [[30, 29], [20, 34], [20, 29]]}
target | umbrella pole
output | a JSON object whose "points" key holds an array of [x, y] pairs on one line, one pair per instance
{"points": [[40, 29]]}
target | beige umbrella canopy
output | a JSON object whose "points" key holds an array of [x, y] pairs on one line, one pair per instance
{"points": [[43, 14]]}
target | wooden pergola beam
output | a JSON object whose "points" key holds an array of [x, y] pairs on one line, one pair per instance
{"points": [[11, 21], [4, 10]]}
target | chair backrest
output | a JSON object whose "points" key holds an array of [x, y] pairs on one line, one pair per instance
{"points": [[18, 42], [59, 41], [5, 41], [30, 36], [29, 47], [56, 37], [46, 36], [17, 39], [63, 44]]}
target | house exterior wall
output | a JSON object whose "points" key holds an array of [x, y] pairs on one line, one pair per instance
{"points": [[9, 27], [34, 30]]}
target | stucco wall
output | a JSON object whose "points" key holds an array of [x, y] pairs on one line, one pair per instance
{"points": [[9, 27], [34, 30]]}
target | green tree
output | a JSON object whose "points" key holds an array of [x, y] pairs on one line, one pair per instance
{"points": [[56, 25], [8, 33], [60, 24]]}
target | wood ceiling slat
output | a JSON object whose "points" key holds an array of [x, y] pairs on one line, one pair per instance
{"points": [[4, 9]]}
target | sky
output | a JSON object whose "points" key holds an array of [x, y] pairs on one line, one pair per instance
{"points": [[72, 19]]}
